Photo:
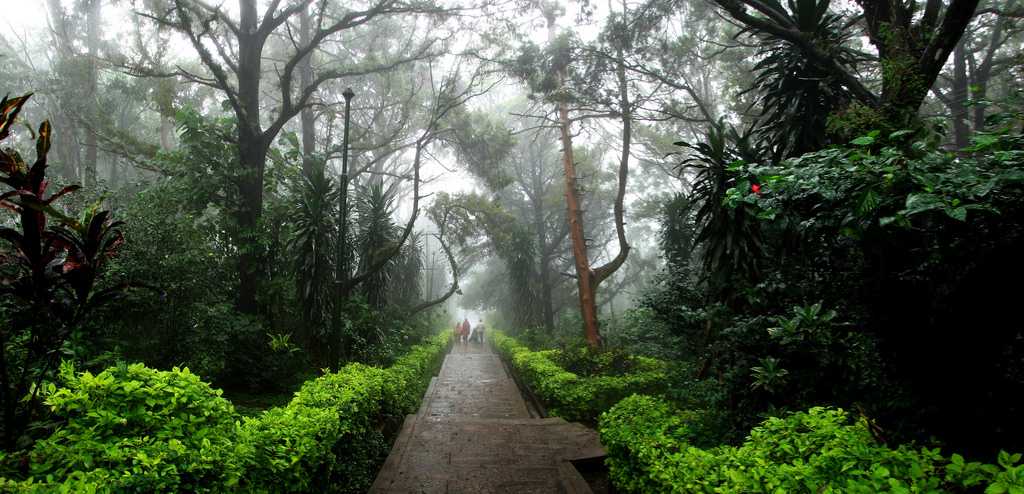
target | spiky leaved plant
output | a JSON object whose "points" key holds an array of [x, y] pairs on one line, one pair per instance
{"points": [[376, 236], [312, 245], [797, 93], [406, 273], [729, 238]]}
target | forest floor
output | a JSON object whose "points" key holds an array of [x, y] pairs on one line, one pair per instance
{"points": [[474, 433]]}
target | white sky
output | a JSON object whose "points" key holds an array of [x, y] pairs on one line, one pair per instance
{"points": [[24, 14]]}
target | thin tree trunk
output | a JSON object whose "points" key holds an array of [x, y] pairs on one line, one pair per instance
{"points": [[306, 116], [166, 129], [626, 116], [959, 97], [543, 251], [980, 79], [93, 35], [547, 304], [66, 143]]}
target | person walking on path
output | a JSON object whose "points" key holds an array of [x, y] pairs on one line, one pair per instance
{"points": [[480, 331], [465, 330]]}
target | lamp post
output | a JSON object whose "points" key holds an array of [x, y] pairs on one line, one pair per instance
{"points": [[343, 270]]}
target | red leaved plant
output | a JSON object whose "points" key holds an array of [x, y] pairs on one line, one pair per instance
{"points": [[47, 276]]}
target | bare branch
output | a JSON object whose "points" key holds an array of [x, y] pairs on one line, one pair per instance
{"points": [[455, 280]]}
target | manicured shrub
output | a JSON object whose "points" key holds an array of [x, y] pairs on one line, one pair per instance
{"points": [[821, 450], [135, 429], [151, 430], [574, 397], [321, 437], [329, 438]]}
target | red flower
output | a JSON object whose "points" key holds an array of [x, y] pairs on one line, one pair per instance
{"points": [[756, 188]]}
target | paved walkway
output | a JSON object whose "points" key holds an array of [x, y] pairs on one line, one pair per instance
{"points": [[475, 434]]}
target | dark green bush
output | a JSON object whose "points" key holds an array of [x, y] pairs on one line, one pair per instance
{"points": [[874, 258], [574, 397], [821, 450], [325, 439]]}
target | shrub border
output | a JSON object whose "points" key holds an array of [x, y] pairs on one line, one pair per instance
{"points": [[329, 438]]}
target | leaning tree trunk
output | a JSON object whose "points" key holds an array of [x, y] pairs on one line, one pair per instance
{"points": [[585, 279]]}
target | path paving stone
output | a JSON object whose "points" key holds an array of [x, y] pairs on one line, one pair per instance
{"points": [[474, 434]]}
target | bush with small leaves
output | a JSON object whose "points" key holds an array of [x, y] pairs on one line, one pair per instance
{"points": [[575, 397], [136, 429], [821, 450], [152, 430]]}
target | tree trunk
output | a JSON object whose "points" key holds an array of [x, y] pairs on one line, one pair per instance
{"points": [[66, 142], [912, 53], [584, 274], [586, 282], [543, 251], [164, 99], [252, 151], [981, 77], [958, 97], [547, 304], [93, 41], [166, 131], [306, 116]]}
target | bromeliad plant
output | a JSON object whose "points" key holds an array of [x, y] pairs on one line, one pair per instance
{"points": [[48, 274]]}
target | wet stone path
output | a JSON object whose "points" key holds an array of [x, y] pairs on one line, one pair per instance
{"points": [[474, 433]]}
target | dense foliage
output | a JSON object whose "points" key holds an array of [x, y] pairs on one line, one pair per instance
{"points": [[650, 449], [838, 187], [872, 258], [135, 429]]}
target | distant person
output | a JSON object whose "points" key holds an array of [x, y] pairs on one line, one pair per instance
{"points": [[457, 332], [480, 330], [465, 330]]}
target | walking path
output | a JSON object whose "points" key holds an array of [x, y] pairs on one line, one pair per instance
{"points": [[474, 433]]}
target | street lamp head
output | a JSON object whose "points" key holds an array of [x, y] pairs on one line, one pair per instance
{"points": [[348, 94]]}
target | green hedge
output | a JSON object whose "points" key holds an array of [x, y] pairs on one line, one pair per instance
{"points": [[135, 429], [819, 451], [574, 397]]}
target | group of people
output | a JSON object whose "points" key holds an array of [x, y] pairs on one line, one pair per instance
{"points": [[465, 333]]}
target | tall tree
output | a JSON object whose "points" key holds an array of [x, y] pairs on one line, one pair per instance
{"points": [[232, 50], [580, 91]]}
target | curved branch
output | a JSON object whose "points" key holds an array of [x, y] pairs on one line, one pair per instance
{"points": [[451, 290], [606, 270], [397, 247]]}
